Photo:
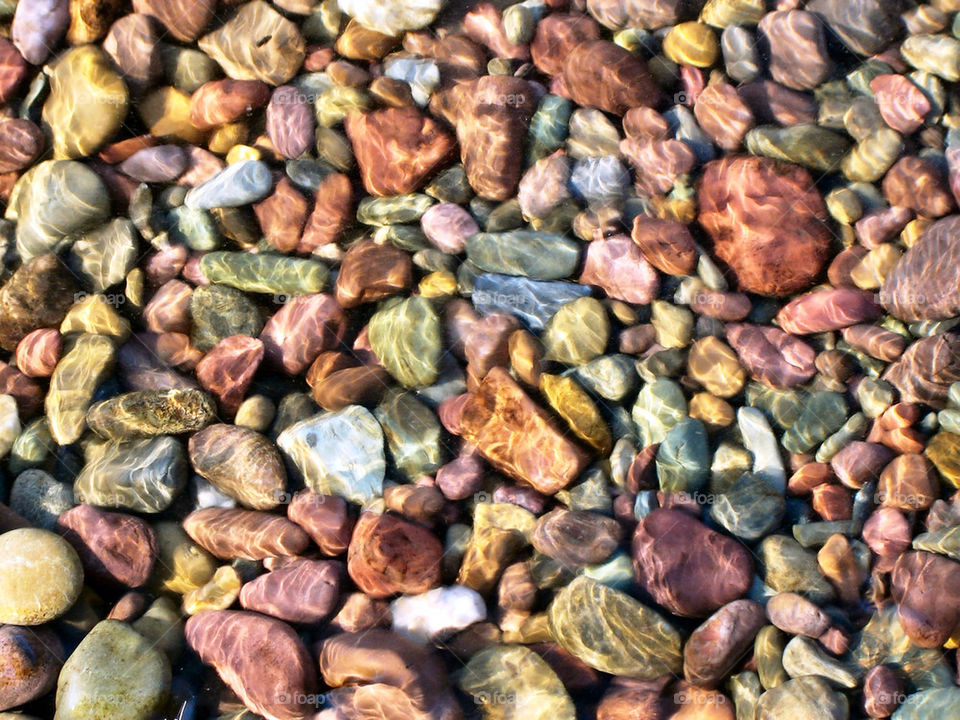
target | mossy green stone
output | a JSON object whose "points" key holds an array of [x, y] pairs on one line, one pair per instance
{"points": [[577, 333], [808, 145], [412, 432], [407, 337], [265, 273], [683, 458]]}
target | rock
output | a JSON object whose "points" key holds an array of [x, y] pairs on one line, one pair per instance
{"points": [[259, 658], [926, 369], [30, 661], [93, 315], [325, 518], [378, 542], [87, 104], [39, 27], [803, 697], [572, 403], [151, 412], [412, 433], [73, 384], [776, 265], [140, 475], [577, 333], [936, 54], [715, 366], [928, 616], [384, 18], [787, 567], [183, 19], [22, 142], [39, 498], [242, 183], [241, 463], [134, 47], [304, 591], [902, 104], [600, 74], [723, 115], [163, 163], [919, 185], [38, 352], [675, 558], [935, 702], [448, 226], [804, 657], [576, 538], [908, 482], [556, 35], [13, 70], [532, 301], [264, 273], [107, 254], [40, 576], [618, 635], [54, 200], [918, 287], [657, 164], [405, 335], [796, 615], [619, 267], [114, 548], [370, 272], [749, 508], [226, 101], [114, 671], [302, 329], [864, 26], [827, 310], [228, 369], [882, 691], [715, 648], [257, 44], [660, 405], [771, 355], [797, 45], [397, 149], [229, 533], [542, 256], [823, 414], [683, 457], [9, 423], [437, 614]]}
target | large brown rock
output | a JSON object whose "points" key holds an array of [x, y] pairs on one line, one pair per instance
{"points": [[261, 659], [114, 548], [517, 436], [305, 591], [390, 555], [767, 222], [926, 588], [37, 295], [241, 463], [923, 285], [30, 660], [603, 75], [927, 369], [717, 646], [493, 114], [687, 568], [372, 271], [397, 149], [228, 534]]}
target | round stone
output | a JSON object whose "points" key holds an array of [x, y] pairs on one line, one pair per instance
{"points": [[40, 576]]}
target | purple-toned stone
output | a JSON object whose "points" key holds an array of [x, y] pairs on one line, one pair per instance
{"points": [[797, 48], [926, 589], [134, 47], [13, 69], [917, 183], [925, 371], [772, 356], [887, 533], [21, 142], [860, 462], [903, 106], [923, 285], [305, 592], [448, 226], [723, 115], [140, 368], [882, 344], [556, 36], [461, 477], [39, 352], [30, 661], [38, 27], [227, 533], [163, 163], [797, 615], [169, 308], [827, 310], [291, 124], [620, 269], [715, 648], [302, 329], [882, 691], [881, 225], [487, 343], [544, 185], [183, 19], [657, 163]]}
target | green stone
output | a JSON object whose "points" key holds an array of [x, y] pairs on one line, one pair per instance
{"points": [[592, 493], [393, 210], [787, 567], [265, 273], [823, 414], [105, 255], [816, 534], [537, 255], [803, 698], [808, 145], [407, 337], [32, 446], [577, 333], [612, 632], [674, 324], [450, 186], [336, 102], [505, 216], [750, 508], [853, 429], [40, 498], [939, 703], [660, 405], [162, 625], [187, 68], [745, 690], [115, 672], [192, 227], [803, 656], [412, 432], [511, 682], [935, 54], [548, 127], [683, 459], [146, 413], [874, 396], [617, 572], [217, 312], [945, 541], [77, 376], [781, 406]]}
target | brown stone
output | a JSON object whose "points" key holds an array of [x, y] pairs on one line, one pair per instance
{"points": [[916, 183], [261, 659], [797, 45], [832, 502], [723, 115], [484, 25], [908, 482], [228, 369], [240, 462], [657, 164], [183, 19], [420, 503], [326, 518], [526, 356], [925, 371], [13, 69], [621, 269], [225, 101], [556, 36], [882, 691], [494, 112], [331, 215], [767, 222], [716, 647], [903, 106], [826, 310], [28, 394], [397, 149], [134, 47], [487, 343], [169, 308], [39, 352], [926, 589], [772, 103], [282, 216], [129, 607], [372, 271], [603, 75], [687, 568], [360, 385], [859, 462], [359, 43], [115, 548], [37, 295], [517, 436], [361, 612], [796, 615], [875, 341], [389, 555], [771, 355], [90, 19], [305, 592], [666, 244], [576, 537], [251, 534], [30, 660], [302, 329], [21, 142]]}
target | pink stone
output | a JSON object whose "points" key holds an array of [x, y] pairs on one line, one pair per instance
{"points": [[191, 270], [302, 329], [887, 533], [881, 226], [726, 306], [38, 353], [859, 462], [290, 122], [38, 27], [645, 122], [201, 166], [487, 343], [723, 115], [228, 369], [162, 163], [618, 266], [460, 478], [797, 48], [483, 25], [771, 355], [771, 102], [544, 185], [448, 226], [331, 215], [692, 83], [450, 412], [172, 349], [556, 35], [165, 264], [459, 316], [169, 308], [525, 497], [903, 106], [657, 163], [13, 69], [303, 592], [826, 310]]}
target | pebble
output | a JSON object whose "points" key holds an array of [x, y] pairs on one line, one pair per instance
{"points": [[803, 697], [107, 254], [534, 302], [921, 586], [933, 702], [115, 549], [184, 20], [241, 463], [412, 433], [73, 383], [302, 329], [30, 661], [917, 288], [239, 184], [716, 647], [39, 498], [790, 568], [796, 615], [936, 54], [377, 542], [541, 256], [750, 508], [134, 47], [882, 691], [40, 574], [38, 28], [437, 614], [405, 336], [448, 226], [147, 413], [228, 368], [303, 592], [798, 51]]}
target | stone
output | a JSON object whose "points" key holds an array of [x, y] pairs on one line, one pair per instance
{"points": [[803, 697], [864, 26], [13, 70], [73, 384], [577, 333], [918, 287], [675, 558], [225, 101], [141, 475], [370, 272], [723, 115], [163, 163], [38, 28], [302, 329], [937, 54], [54, 200], [30, 661], [934, 702], [921, 586], [534, 302], [621, 269], [114, 548], [827, 310], [229, 533], [908, 482], [787, 567], [600, 74], [919, 185], [405, 336], [242, 183], [572, 403], [397, 149], [412, 432], [182, 566], [882, 691], [660, 405], [716, 647], [40, 576], [610, 631], [798, 52], [749, 508], [378, 541], [691, 43], [258, 43], [804, 657], [185, 20], [657, 164], [259, 658], [304, 592], [542, 256], [22, 142], [106, 254], [576, 538], [94, 315], [290, 122], [823, 414], [356, 470], [134, 47], [114, 671], [325, 518], [771, 355], [715, 366], [796, 615], [926, 369], [241, 463], [437, 614], [903, 105], [774, 266], [148, 413], [943, 451], [39, 498]]}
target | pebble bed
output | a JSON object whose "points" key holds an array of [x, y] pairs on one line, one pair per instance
{"points": [[428, 360]]}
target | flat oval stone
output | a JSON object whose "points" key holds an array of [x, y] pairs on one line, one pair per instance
{"points": [[412, 432], [749, 508], [796, 615], [378, 544], [715, 648], [77, 376], [405, 336], [827, 310], [809, 696], [338, 453], [21, 142], [541, 256], [242, 183], [229, 533], [576, 538], [151, 412], [141, 475], [264, 273], [30, 661], [96, 680], [612, 632], [370, 271], [600, 74], [116, 549], [922, 586], [676, 558], [771, 355], [163, 163], [919, 288], [259, 658], [225, 101], [40, 576], [38, 28], [305, 591], [241, 463]]}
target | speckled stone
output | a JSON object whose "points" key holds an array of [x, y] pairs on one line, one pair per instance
{"points": [[148, 412], [241, 463], [30, 661], [378, 542], [40, 576], [413, 434], [787, 567], [716, 647]]}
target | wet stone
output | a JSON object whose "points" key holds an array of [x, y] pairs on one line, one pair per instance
{"points": [[798, 53], [40, 575], [918, 287], [371, 272], [30, 661], [239, 184], [39, 498], [789, 568], [922, 586], [405, 335], [37, 295], [38, 28], [147, 413], [576, 538], [803, 697], [577, 333], [534, 302], [114, 548], [219, 312], [934, 702], [716, 647], [412, 433], [378, 544], [541, 256], [750, 508], [241, 463], [304, 591], [574, 405], [185, 20]]}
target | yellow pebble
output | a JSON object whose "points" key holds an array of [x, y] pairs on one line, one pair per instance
{"points": [[218, 594], [692, 43], [438, 284], [239, 153], [223, 138], [715, 366], [166, 112], [914, 229], [870, 272], [712, 411]]}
